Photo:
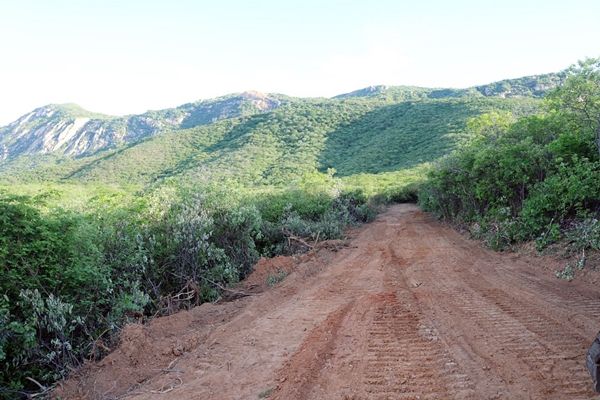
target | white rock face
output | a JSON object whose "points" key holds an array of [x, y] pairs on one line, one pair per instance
{"points": [[65, 137], [51, 129], [70, 130]]}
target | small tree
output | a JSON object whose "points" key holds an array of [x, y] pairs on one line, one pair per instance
{"points": [[580, 96]]}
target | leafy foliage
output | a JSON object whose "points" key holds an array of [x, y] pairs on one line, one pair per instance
{"points": [[71, 278], [533, 178]]}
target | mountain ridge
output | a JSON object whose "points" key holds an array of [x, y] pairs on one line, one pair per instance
{"points": [[526, 86], [350, 137], [69, 130]]}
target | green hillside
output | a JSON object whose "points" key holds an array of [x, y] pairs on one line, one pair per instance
{"points": [[74, 110], [407, 134], [352, 136], [256, 138], [527, 86]]}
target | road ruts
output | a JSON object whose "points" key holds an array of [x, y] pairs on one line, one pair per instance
{"points": [[454, 321], [409, 310], [407, 361]]}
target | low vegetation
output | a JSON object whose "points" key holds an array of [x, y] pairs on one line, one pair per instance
{"points": [[73, 276]]}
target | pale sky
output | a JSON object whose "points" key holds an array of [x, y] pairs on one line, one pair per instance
{"points": [[128, 56]]}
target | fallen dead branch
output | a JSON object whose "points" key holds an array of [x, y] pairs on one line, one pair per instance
{"points": [[44, 390], [174, 385], [297, 239], [223, 288]]}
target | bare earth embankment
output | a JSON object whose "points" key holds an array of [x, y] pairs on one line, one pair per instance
{"points": [[407, 309]]}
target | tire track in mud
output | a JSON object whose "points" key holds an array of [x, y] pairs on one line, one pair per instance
{"points": [[405, 357], [405, 360], [547, 348], [532, 336], [532, 340], [536, 337], [304, 367]]}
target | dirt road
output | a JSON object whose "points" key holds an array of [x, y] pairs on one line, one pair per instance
{"points": [[409, 310]]}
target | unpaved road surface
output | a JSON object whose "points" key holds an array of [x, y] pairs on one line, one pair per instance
{"points": [[410, 309]]}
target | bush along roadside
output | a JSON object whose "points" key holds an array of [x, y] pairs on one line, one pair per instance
{"points": [[536, 178], [70, 280]]}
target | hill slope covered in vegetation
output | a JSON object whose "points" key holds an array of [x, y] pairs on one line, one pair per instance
{"points": [[351, 136]]}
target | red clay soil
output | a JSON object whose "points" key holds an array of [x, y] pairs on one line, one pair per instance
{"points": [[270, 267], [409, 309]]}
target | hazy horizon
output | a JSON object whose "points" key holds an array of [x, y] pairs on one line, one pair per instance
{"points": [[128, 58]]}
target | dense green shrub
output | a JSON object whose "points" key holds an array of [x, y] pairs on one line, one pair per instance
{"points": [[584, 235], [316, 216], [532, 178], [570, 192], [54, 288], [70, 279]]}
